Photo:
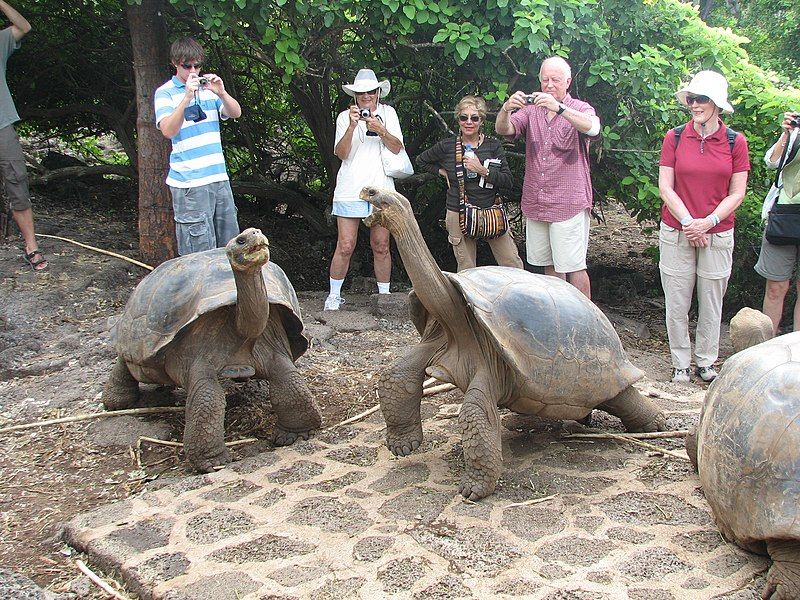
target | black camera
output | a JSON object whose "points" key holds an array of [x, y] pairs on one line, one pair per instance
{"points": [[202, 80], [530, 99], [194, 113], [795, 121], [364, 113]]}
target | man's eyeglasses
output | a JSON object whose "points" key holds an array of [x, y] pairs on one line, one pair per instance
{"points": [[465, 118], [699, 99], [369, 93], [189, 66]]}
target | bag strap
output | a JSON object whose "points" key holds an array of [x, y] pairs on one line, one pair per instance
{"points": [[782, 161], [730, 134]]}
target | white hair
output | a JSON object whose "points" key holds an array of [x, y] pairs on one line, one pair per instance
{"points": [[565, 68]]}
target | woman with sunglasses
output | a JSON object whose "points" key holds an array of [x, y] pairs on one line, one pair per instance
{"points": [[702, 179], [493, 177]]}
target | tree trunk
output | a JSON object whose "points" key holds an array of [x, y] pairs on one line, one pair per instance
{"points": [[150, 65]]}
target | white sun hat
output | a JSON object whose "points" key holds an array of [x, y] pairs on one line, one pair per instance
{"points": [[366, 81], [711, 84]]}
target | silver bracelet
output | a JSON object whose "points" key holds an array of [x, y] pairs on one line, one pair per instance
{"points": [[714, 219], [686, 220]]}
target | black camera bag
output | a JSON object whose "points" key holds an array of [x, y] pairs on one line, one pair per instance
{"points": [[783, 225]]}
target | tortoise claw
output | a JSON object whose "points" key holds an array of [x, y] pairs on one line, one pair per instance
{"points": [[402, 441], [281, 437], [473, 489], [208, 463]]}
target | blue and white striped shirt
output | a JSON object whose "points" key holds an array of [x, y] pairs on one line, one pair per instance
{"points": [[196, 157]]}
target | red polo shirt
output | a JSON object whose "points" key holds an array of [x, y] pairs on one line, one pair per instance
{"points": [[702, 179]]}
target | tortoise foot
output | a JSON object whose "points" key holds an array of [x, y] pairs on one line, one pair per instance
{"points": [[402, 441], [476, 485], [281, 437], [783, 578], [207, 462], [657, 423]]}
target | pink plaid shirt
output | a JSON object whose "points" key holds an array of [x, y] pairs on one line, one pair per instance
{"points": [[557, 184]]}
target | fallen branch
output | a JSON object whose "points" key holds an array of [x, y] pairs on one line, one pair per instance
{"points": [[678, 433], [630, 440], [171, 444], [355, 418], [100, 250], [436, 389], [150, 410], [95, 579], [529, 502]]}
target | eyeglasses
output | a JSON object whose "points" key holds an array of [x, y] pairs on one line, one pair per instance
{"points": [[189, 66], [465, 118], [699, 99], [369, 93]]}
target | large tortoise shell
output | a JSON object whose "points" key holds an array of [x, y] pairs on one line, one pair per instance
{"points": [[748, 444], [180, 290], [562, 347]]}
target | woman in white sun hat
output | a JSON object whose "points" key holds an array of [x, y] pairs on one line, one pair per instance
{"points": [[702, 179], [358, 144]]}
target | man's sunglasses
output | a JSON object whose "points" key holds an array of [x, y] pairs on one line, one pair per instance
{"points": [[188, 66], [465, 118], [699, 99]]}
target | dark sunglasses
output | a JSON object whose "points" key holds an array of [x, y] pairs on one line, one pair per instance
{"points": [[369, 93], [465, 118], [699, 99], [188, 66]]}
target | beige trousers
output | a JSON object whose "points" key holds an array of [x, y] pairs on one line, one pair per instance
{"points": [[682, 268], [465, 249]]}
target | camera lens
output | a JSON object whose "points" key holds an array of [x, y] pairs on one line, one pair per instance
{"points": [[364, 113], [795, 122]]}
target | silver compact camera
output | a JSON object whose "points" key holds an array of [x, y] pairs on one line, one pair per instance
{"points": [[364, 113], [202, 80], [530, 98]]}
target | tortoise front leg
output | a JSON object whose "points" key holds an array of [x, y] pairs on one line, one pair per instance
{"points": [[400, 396], [296, 411], [637, 413], [204, 433], [121, 390], [480, 437], [783, 579]]}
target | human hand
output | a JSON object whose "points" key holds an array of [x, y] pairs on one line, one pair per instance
{"points": [[354, 117], [515, 101], [546, 100], [443, 173], [790, 121], [695, 239], [214, 83], [375, 125], [474, 164], [698, 227], [192, 84]]}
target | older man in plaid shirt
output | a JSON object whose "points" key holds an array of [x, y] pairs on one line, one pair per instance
{"points": [[557, 190]]}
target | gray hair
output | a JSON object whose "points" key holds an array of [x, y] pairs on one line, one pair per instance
{"points": [[565, 68]]}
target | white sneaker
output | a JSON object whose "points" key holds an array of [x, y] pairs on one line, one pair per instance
{"points": [[707, 374], [333, 302], [680, 376]]}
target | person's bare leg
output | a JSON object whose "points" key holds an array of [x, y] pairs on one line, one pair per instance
{"points": [[345, 245], [381, 257], [797, 308], [24, 220], [774, 296], [550, 270], [580, 279]]}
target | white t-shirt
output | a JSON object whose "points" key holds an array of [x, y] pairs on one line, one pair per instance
{"points": [[363, 165]]}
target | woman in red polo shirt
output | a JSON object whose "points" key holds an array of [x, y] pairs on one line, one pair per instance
{"points": [[702, 179]]}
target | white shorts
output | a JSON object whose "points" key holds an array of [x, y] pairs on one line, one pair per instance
{"points": [[562, 246]]}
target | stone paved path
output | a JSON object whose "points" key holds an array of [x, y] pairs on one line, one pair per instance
{"points": [[339, 517]]}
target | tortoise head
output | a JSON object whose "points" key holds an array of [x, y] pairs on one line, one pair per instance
{"points": [[389, 207], [248, 250]]}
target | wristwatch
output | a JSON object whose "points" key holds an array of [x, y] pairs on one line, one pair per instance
{"points": [[561, 109]]}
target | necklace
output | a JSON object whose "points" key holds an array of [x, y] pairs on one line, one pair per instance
{"points": [[478, 141]]}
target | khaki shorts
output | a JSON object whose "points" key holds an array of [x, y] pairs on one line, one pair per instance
{"points": [[777, 263], [13, 171], [560, 245]]}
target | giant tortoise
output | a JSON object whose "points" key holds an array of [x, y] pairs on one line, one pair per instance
{"points": [[504, 337], [222, 312], [747, 452]]}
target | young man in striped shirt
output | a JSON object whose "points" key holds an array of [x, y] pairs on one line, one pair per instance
{"points": [[189, 108]]}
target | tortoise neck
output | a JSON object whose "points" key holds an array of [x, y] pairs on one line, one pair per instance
{"points": [[252, 303], [432, 287]]}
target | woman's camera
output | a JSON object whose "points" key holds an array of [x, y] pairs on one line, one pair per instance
{"points": [[364, 113], [194, 113], [795, 121]]}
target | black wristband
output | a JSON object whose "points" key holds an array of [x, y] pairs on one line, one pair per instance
{"points": [[561, 109]]}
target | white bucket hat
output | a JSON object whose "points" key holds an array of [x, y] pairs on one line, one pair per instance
{"points": [[366, 81], [711, 84]]}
